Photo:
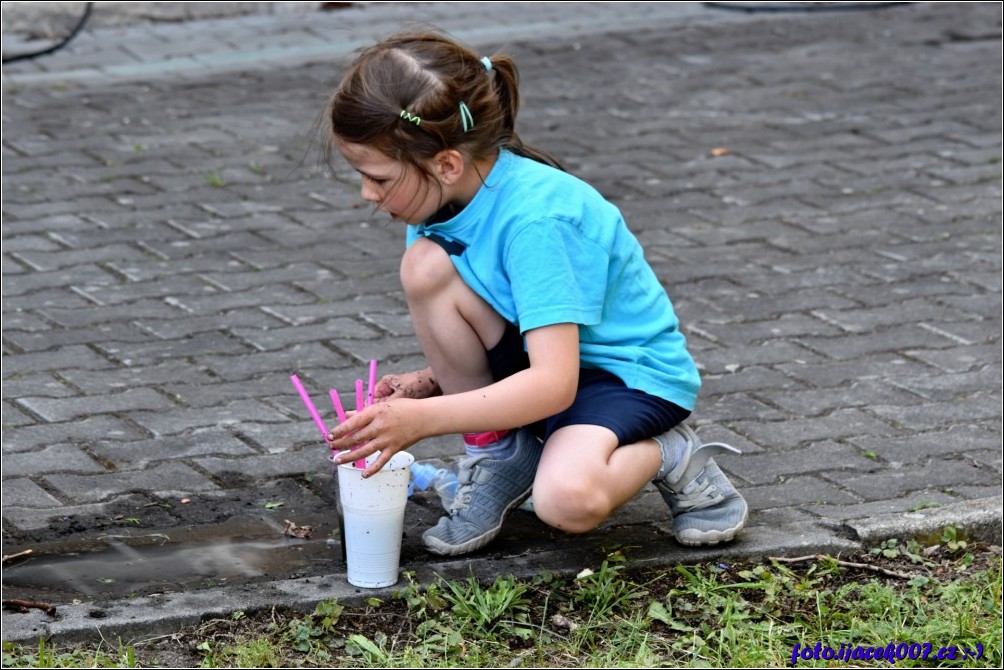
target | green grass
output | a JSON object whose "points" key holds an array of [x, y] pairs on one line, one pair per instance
{"points": [[43, 656], [615, 615]]}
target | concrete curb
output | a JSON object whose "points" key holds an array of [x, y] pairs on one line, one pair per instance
{"points": [[978, 519]]}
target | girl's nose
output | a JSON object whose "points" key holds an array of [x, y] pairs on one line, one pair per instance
{"points": [[368, 192]]}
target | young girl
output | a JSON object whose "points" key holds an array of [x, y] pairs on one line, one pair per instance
{"points": [[552, 346]]}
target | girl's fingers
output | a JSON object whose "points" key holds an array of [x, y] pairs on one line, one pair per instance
{"points": [[377, 465]]}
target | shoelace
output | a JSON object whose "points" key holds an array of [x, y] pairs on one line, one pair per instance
{"points": [[699, 493]]}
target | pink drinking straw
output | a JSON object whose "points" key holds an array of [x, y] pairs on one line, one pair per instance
{"points": [[337, 402], [310, 405], [361, 463], [340, 411], [372, 386]]}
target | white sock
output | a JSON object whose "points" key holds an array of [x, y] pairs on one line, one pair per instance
{"points": [[497, 451]]}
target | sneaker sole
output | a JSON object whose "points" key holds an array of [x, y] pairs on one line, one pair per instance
{"points": [[692, 537]]}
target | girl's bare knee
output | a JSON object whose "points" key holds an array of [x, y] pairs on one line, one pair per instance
{"points": [[570, 508], [426, 270]]}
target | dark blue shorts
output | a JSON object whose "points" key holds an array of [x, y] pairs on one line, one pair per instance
{"points": [[602, 398]]}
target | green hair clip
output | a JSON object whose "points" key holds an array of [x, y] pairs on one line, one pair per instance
{"points": [[466, 117], [408, 116]]}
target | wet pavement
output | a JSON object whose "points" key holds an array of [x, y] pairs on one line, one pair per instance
{"points": [[819, 191]]}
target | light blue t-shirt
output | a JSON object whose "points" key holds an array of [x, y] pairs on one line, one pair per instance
{"points": [[542, 247]]}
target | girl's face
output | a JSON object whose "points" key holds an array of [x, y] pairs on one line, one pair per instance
{"points": [[395, 188]]}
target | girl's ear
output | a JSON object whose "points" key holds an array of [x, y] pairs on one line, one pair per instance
{"points": [[449, 166]]}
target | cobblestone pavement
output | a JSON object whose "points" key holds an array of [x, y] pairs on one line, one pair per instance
{"points": [[820, 192]]}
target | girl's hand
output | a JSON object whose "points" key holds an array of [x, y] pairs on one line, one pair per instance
{"points": [[390, 426], [417, 384]]}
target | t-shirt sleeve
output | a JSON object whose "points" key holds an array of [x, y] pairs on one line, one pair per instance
{"points": [[557, 274]]}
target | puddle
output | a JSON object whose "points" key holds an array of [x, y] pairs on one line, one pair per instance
{"points": [[143, 563]]}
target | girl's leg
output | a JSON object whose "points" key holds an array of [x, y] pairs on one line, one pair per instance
{"points": [[454, 325], [584, 476], [456, 328]]}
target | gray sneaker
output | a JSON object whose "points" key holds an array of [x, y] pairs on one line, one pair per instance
{"points": [[487, 490], [709, 510], [706, 508]]}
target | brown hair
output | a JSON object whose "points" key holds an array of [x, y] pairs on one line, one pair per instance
{"points": [[428, 76]]}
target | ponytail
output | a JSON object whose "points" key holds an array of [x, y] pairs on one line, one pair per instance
{"points": [[506, 84]]}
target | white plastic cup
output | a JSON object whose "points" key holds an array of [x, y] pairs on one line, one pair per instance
{"points": [[373, 511]]}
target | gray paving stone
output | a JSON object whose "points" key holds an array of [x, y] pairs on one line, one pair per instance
{"points": [[22, 492], [64, 409], [277, 438], [722, 359], [990, 458], [960, 359], [978, 492], [740, 406], [52, 385], [278, 338], [754, 306], [83, 277], [89, 429], [976, 408], [239, 281], [936, 474], [29, 242], [213, 393], [71, 356], [133, 291], [162, 479], [185, 247], [808, 492], [881, 366], [168, 328], [288, 463], [919, 447], [815, 402], [300, 357], [228, 412], [13, 417], [859, 321], [796, 432], [90, 315], [949, 387], [53, 298], [907, 504], [215, 302], [896, 338], [143, 453], [377, 304], [44, 341], [155, 352], [780, 517], [787, 325], [57, 458], [826, 456], [182, 373], [179, 421]]}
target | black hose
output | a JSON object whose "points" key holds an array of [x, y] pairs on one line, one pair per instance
{"points": [[751, 7], [56, 47]]}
